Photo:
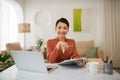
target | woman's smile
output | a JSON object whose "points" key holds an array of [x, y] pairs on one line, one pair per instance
{"points": [[61, 29]]}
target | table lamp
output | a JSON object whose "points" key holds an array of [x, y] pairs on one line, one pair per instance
{"points": [[24, 28]]}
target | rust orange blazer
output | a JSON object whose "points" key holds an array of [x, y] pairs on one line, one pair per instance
{"points": [[55, 56]]}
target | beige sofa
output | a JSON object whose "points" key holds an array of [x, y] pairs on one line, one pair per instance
{"points": [[83, 45]]}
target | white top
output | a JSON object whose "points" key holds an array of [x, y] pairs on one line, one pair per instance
{"points": [[61, 73]]}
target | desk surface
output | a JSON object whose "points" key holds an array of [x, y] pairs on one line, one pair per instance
{"points": [[61, 73]]}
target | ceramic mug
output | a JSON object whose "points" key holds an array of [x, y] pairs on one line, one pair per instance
{"points": [[93, 67]]}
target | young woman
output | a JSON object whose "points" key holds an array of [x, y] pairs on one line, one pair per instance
{"points": [[62, 48]]}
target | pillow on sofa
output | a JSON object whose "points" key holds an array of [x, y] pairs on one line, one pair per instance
{"points": [[83, 45], [91, 52]]}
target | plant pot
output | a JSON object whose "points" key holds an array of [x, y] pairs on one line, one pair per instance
{"points": [[38, 49]]}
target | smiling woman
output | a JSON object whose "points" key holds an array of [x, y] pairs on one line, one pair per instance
{"points": [[61, 48]]}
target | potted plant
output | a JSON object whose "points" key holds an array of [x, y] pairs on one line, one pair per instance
{"points": [[6, 61], [39, 43]]}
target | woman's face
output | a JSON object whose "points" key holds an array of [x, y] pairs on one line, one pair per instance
{"points": [[61, 29]]}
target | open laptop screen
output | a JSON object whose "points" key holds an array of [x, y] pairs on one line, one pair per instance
{"points": [[30, 61]]}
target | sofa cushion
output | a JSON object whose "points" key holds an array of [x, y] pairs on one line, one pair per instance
{"points": [[83, 45], [91, 52]]}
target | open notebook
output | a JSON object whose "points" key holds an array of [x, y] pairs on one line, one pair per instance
{"points": [[31, 61], [72, 61]]}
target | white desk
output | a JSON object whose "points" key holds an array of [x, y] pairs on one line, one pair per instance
{"points": [[61, 73]]}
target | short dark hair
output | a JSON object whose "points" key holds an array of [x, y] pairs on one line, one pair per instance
{"points": [[64, 20]]}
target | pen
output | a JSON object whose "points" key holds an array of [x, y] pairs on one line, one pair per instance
{"points": [[110, 61], [110, 58], [105, 60]]}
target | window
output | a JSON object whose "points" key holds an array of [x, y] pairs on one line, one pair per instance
{"points": [[8, 24]]}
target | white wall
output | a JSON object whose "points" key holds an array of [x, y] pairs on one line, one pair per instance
{"points": [[58, 9]]}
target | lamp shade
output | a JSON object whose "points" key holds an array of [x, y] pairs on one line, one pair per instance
{"points": [[24, 27]]}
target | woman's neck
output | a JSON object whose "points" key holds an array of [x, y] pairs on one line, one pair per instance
{"points": [[62, 38]]}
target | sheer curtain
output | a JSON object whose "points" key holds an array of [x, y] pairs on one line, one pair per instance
{"points": [[111, 30], [8, 24]]}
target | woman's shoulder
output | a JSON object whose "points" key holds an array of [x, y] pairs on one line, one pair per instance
{"points": [[70, 40], [52, 40]]}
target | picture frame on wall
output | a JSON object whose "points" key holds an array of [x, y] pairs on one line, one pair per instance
{"points": [[82, 19]]}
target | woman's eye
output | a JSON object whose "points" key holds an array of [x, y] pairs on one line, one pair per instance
{"points": [[65, 28], [59, 27]]}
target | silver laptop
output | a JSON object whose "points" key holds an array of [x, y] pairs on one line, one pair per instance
{"points": [[31, 61]]}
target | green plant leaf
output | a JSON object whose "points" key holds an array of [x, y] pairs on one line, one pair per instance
{"points": [[7, 61], [39, 42], [3, 58]]}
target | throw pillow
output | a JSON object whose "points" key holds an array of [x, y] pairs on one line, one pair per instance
{"points": [[91, 52]]}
